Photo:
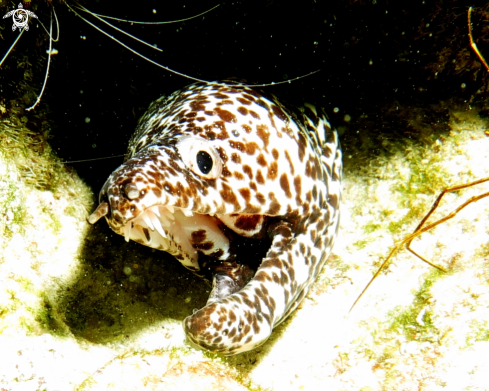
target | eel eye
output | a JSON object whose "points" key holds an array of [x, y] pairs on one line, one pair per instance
{"points": [[204, 161], [200, 156]]}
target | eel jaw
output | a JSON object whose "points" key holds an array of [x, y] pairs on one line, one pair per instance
{"points": [[180, 232], [156, 218]]}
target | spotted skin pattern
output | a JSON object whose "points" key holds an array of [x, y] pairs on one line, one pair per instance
{"points": [[217, 160]]}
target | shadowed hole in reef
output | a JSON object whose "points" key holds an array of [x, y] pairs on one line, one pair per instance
{"points": [[122, 288]]}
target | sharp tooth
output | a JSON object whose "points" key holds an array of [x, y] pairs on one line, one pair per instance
{"points": [[156, 222], [187, 212], [156, 210], [158, 226], [160, 229], [165, 211], [151, 215], [147, 220], [164, 221], [127, 229], [170, 209]]}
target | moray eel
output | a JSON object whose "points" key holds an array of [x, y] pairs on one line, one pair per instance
{"points": [[218, 161]]}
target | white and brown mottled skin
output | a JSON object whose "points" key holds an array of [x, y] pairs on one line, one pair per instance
{"points": [[222, 155]]}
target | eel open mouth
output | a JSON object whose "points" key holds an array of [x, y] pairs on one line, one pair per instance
{"points": [[180, 232]]}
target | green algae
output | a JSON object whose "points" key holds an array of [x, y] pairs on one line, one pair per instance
{"points": [[48, 318], [415, 321], [12, 203], [479, 331]]}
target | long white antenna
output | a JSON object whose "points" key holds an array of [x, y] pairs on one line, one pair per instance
{"points": [[57, 27], [135, 52], [12, 46], [156, 63], [47, 68], [138, 22], [118, 29], [90, 160]]}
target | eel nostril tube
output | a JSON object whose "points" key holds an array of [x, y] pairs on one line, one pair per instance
{"points": [[100, 212], [131, 191]]}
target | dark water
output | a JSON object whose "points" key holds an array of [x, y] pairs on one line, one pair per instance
{"points": [[369, 53]]}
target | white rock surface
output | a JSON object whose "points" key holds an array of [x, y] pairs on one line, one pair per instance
{"points": [[415, 328]]}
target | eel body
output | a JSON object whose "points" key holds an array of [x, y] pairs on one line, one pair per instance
{"points": [[216, 162]]}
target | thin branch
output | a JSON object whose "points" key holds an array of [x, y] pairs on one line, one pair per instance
{"points": [[472, 43]]}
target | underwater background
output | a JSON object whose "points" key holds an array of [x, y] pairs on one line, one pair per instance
{"points": [[82, 309]]}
